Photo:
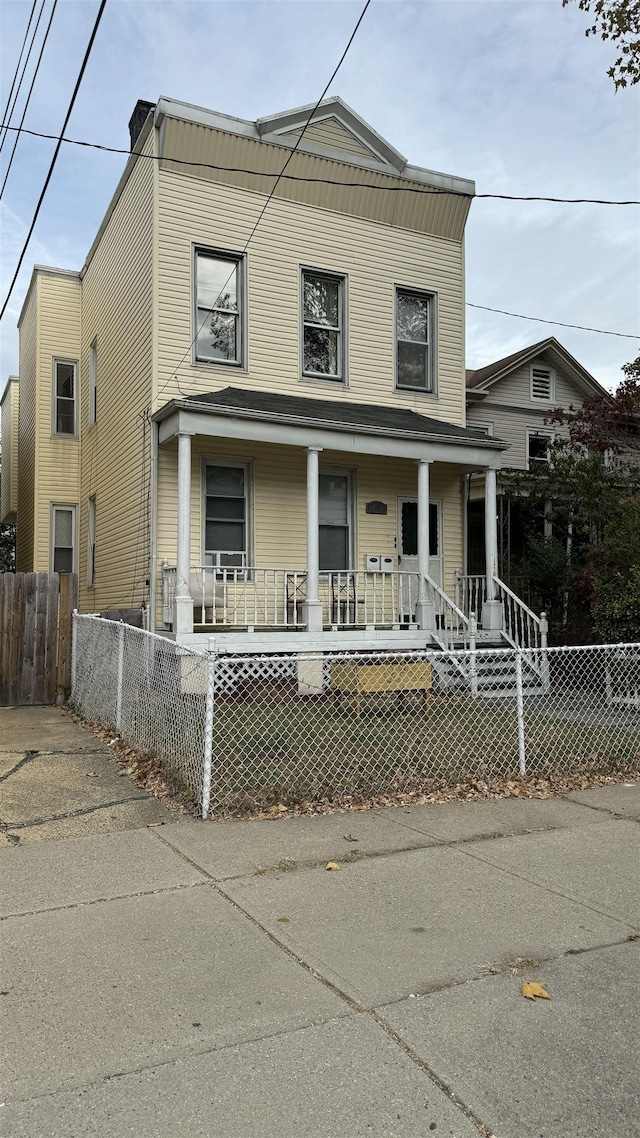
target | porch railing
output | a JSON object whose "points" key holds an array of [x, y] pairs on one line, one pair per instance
{"points": [[452, 625], [246, 597], [522, 627], [470, 592]]}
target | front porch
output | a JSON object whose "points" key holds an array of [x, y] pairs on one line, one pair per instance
{"points": [[348, 479]]}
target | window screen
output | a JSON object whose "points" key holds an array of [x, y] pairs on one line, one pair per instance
{"points": [[226, 516], [334, 521]]}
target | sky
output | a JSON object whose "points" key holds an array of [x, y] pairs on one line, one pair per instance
{"points": [[511, 94]]}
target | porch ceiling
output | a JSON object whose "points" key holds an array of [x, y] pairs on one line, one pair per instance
{"points": [[356, 428]]}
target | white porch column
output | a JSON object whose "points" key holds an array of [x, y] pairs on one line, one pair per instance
{"points": [[183, 603], [492, 608], [425, 610], [313, 605]]}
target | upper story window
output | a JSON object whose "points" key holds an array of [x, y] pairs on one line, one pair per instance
{"points": [[414, 336], [542, 384], [218, 316], [538, 443], [93, 383], [64, 397], [323, 326]]}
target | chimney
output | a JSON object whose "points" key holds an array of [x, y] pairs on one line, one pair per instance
{"points": [[138, 119]]}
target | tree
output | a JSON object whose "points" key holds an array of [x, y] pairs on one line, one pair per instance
{"points": [[619, 21], [586, 498]]}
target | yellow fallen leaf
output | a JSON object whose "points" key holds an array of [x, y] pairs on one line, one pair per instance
{"points": [[332, 865], [530, 990]]}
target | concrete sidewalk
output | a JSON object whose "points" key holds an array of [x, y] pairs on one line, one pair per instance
{"points": [[214, 979]]}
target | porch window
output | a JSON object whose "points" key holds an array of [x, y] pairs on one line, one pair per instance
{"points": [[414, 335], [226, 515], [323, 319], [409, 529], [218, 315], [63, 535], [334, 521], [64, 397]]}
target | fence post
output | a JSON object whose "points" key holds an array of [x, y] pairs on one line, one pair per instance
{"points": [[120, 676], [74, 651], [522, 758], [544, 659], [208, 734], [473, 669]]}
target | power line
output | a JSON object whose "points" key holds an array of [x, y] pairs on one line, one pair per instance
{"points": [[15, 74], [278, 178], [558, 323], [55, 154], [24, 68], [26, 106], [408, 189]]}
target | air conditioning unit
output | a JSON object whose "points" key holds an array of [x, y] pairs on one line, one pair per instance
{"points": [[372, 562], [386, 565]]}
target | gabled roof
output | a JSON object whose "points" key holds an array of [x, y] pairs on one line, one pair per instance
{"points": [[481, 380], [337, 414], [335, 111]]}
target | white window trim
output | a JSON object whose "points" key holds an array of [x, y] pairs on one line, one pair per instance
{"points": [[552, 384], [91, 542], [240, 260], [343, 282], [473, 425], [74, 533], [54, 402], [245, 464], [93, 382], [352, 514], [432, 356], [538, 432]]}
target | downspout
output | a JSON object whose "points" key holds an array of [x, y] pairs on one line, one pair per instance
{"points": [[153, 537]]}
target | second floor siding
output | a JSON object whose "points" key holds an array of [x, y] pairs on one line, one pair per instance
{"points": [[373, 258]]}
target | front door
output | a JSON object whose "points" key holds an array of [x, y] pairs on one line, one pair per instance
{"points": [[408, 543]]}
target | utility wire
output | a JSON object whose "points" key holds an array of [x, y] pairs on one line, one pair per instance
{"points": [[15, 74], [24, 68], [26, 106], [55, 153], [559, 323], [278, 178], [408, 189]]}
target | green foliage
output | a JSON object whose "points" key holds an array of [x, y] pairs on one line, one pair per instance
{"points": [[589, 496], [616, 609], [618, 21]]}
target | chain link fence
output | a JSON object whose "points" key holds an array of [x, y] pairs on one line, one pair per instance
{"points": [[243, 732]]}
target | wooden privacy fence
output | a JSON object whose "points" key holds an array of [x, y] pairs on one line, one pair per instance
{"points": [[35, 636]]}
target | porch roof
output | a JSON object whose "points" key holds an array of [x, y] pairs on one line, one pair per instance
{"points": [[333, 424]]}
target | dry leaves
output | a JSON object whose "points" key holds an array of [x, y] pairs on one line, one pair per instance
{"points": [[332, 865], [532, 990]]}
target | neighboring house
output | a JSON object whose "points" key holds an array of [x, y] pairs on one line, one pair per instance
{"points": [[269, 441], [9, 480], [511, 399]]}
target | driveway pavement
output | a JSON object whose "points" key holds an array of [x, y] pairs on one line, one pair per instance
{"points": [[201, 978]]}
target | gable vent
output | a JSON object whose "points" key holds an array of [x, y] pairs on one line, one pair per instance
{"points": [[541, 383]]}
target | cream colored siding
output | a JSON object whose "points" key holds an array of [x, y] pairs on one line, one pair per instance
{"points": [[278, 503], [374, 257], [27, 456], [441, 214], [58, 458], [329, 132], [115, 453], [9, 477], [515, 389]]}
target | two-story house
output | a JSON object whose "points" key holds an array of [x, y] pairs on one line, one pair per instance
{"points": [[513, 398], [246, 412]]}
